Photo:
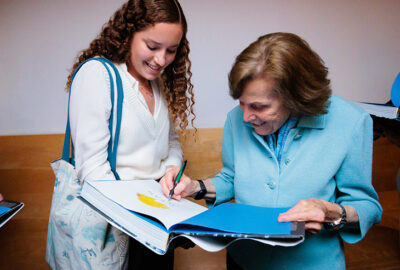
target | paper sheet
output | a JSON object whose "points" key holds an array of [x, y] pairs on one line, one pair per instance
{"points": [[146, 197]]}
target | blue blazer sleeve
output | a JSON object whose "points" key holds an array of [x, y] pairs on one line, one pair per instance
{"points": [[354, 180], [223, 181]]}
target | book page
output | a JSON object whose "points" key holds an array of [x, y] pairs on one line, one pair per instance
{"points": [[146, 197], [380, 110], [215, 244]]}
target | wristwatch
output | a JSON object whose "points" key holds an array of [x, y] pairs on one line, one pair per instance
{"points": [[200, 195], [339, 223]]}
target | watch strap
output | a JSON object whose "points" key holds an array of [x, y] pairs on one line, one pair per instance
{"points": [[343, 220], [200, 195]]}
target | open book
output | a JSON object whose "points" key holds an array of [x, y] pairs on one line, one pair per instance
{"points": [[141, 210], [8, 209]]}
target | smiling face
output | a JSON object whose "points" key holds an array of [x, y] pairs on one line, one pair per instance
{"points": [[154, 49], [262, 106]]}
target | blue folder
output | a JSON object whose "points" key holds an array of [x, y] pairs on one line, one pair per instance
{"points": [[239, 220]]}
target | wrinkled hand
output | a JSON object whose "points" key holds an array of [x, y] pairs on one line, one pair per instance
{"points": [[183, 189], [313, 211]]}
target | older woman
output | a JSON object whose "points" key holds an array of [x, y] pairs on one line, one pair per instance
{"points": [[291, 143]]}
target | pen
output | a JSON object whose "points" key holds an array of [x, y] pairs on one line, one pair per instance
{"points": [[178, 177]]}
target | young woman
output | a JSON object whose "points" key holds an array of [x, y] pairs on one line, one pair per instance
{"points": [[146, 40]]}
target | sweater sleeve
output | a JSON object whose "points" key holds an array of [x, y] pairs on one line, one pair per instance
{"points": [[174, 148], [224, 181], [354, 181], [90, 107]]}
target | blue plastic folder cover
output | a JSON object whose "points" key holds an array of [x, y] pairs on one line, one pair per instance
{"points": [[233, 219]]}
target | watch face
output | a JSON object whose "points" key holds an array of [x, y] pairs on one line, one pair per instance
{"points": [[335, 225], [200, 195], [339, 223]]}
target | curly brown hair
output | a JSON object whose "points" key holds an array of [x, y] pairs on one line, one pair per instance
{"points": [[115, 38], [301, 78]]}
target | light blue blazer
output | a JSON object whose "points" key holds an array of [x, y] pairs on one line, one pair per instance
{"points": [[328, 157]]}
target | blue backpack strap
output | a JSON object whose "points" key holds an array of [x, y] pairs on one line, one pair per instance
{"points": [[113, 144]]}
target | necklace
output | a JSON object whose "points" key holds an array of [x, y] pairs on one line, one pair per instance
{"points": [[145, 89], [147, 93]]}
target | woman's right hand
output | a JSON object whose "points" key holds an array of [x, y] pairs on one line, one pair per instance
{"points": [[186, 187]]}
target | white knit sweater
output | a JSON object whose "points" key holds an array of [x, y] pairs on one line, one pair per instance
{"points": [[147, 142]]}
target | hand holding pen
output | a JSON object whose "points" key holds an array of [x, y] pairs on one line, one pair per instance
{"points": [[177, 179]]}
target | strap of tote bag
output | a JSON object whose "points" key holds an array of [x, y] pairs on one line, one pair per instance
{"points": [[68, 152]]}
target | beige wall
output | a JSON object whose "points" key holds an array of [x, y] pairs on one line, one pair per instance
{"points": [[358, 39]]}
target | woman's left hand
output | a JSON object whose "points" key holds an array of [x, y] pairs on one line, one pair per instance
{"points": [[314, 212]]}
